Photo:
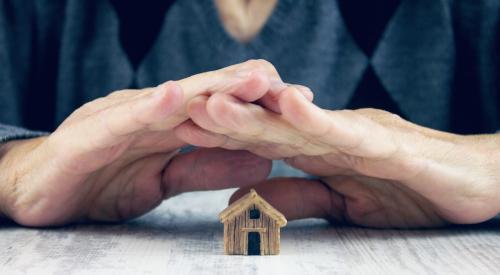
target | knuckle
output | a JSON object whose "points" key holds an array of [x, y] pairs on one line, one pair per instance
{"points": [[395, 117], [257, 132], [211, 74], [261, 64], [90, 106], [118, 93], [302, 87], [380, 115]]}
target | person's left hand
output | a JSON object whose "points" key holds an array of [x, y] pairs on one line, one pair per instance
{"points": [[116, 157], [374, 168]]}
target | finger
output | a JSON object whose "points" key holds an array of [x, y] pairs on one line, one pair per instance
{"points": [[191, 133], [142, 193], [205, 130], [211, 169], [112, 125], [305, 91], [102, 103], [239, 117], [197, 111], [252, 64], [252, 123], [298, 198], [247, 81], [345, 130], [248, 86], [383, 204], [271, 100], [207, 133]]}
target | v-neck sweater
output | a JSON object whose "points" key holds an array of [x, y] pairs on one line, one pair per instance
{"points": [[437, 60]]}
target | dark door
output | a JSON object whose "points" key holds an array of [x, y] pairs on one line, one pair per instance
{"points": [[253, 243]]}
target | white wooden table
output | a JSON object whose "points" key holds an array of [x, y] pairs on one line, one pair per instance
{"points": [[183, 236]]}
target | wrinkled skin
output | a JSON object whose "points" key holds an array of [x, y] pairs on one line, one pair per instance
{"points": [[374, 168], [117, 157]]}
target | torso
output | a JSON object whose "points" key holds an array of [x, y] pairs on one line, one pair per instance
{"points": [[415, 65]]}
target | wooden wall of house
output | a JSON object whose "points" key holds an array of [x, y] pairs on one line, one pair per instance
{"points": [[235, 233]]}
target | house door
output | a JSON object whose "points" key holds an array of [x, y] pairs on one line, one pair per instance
{"points": [[253, 243]]}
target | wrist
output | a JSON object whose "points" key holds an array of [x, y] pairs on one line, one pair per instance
{"points": [[461, 176], [487, 147], [14, 156]]}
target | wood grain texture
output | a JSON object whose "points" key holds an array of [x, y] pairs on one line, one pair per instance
{"points": [[238, 224], [184, 236]]}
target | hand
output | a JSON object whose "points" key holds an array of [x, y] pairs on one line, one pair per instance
{"points": [[116, 157], [374, 168]]}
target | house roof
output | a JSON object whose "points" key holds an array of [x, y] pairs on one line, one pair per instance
{"points": [[244, 202]]}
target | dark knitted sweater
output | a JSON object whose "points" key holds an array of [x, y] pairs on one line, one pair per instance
{"points": [[436, 62]]}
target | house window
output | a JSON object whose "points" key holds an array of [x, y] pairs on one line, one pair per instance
{"points": [[254, 214]]}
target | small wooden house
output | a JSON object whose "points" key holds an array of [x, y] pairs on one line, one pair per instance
{"points": [[251, 226]]}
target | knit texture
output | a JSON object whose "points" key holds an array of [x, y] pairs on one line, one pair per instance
{"points": [[438, 60]]}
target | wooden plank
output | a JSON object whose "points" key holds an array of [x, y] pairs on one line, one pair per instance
{"points": [[184, 236]]}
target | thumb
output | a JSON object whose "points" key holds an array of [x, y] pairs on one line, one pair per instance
{"points": [[212, 169], [299, 198]]}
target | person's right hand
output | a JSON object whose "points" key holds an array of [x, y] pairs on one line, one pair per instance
{"points": [[373, 168], [115, 157]]}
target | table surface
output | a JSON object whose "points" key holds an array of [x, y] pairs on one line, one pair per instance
{"points": [[183, 236]]}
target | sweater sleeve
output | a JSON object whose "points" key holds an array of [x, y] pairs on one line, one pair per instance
{"points": [[8, 133], [477, 34], [16, 63]]}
